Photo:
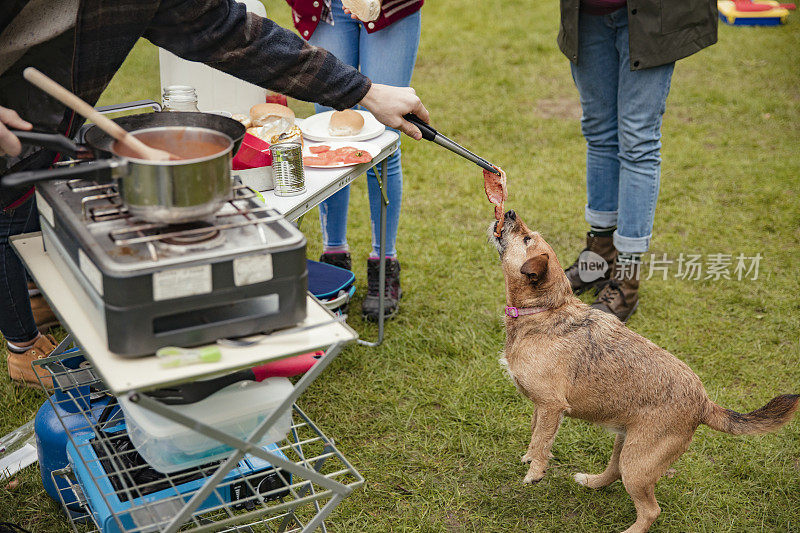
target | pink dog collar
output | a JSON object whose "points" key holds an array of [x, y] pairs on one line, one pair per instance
{"points": [[514, 312]]}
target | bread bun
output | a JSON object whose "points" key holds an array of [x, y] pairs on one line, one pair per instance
{"points": [[345, 123], [244, 119], [365, 10], [260, 114], [273, 119]]}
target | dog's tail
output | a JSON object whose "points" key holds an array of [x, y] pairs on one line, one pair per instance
{"points": [[769, 418]]}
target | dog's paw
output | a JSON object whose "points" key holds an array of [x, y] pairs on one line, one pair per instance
{"points": [[533, 478], [527, 458], [594, 481], [581, 479], [535, 473]]}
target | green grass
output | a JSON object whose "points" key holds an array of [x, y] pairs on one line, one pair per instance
{"points": [[429, 418]]}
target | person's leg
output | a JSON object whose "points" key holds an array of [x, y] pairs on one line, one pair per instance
{"points": [[341, 40], [641, 105], [16, 319], [24, 342], [388, 56], [595, 76]]}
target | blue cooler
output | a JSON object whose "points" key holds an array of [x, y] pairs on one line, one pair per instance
{"points": [[331, 285]]}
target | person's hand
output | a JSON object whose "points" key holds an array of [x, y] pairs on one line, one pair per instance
{"points": [[9, 144], [389, 104], [352, 15]]}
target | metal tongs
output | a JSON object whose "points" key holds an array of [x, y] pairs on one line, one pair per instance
{"points": [[430, 134]]}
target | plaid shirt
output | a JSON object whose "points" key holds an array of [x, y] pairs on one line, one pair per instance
{"points": [[219, 33]]}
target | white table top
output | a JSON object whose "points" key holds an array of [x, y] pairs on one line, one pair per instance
{"points": [[322, 183], [123, 374]]}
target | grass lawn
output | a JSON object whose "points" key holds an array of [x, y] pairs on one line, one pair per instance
{"points": [[429, 418]]}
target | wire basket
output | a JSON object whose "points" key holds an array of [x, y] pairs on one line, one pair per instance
{"points": [[107, 487]]}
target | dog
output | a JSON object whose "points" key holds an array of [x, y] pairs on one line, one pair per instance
{"points": [[572, 360]]}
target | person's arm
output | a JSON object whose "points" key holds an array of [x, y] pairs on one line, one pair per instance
{"points": [[221, 34], [9, 144]]}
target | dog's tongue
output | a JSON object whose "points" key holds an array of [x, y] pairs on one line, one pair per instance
{"points": [[496, 192]]}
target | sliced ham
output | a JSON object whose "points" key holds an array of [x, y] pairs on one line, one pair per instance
{"points": [[324, 156], [496, 192]]}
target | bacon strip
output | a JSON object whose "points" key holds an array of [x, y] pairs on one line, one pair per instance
{"points": [[496, 192]]}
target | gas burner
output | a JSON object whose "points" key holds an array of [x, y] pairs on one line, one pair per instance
{"points": [[148, 285], [189, 237], [189, 233]]}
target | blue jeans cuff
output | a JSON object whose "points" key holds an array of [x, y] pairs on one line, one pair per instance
{"points": [[601, 219], [631, 245]]}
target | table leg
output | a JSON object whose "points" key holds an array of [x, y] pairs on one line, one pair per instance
{"points": [[62, 346], [381, 177]]}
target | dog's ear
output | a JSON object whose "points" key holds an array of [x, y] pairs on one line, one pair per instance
{"points": [[535, 267]]}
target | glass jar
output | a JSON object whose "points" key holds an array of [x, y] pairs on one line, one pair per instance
{"points": [[179, 98]]}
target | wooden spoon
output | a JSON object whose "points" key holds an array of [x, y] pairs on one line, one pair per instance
{"points": [[72, 101]]}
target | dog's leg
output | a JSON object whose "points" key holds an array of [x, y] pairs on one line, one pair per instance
{"points": [[610, 474], [548, 418], [528, 457], [642, 462]]}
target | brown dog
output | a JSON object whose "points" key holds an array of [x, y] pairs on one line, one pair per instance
{"points": [[570, 359]]}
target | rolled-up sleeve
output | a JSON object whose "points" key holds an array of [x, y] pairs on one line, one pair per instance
{"points": [[223, 35]]}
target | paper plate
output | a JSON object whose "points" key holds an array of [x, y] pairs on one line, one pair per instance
{"points": [[315, 128]]}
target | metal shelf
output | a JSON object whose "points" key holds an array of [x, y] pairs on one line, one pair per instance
{"points": [[109, 488]]}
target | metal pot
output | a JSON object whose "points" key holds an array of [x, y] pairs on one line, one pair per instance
{"points": [[168, 192], [172, 192]]}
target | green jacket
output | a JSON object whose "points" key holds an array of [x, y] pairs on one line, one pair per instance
{"points": [[657, 35]]}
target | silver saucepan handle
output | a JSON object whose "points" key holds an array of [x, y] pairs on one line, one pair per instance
{"points": [[118, 167]]}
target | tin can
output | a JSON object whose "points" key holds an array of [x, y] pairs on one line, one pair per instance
{"points": [[287, 169]]}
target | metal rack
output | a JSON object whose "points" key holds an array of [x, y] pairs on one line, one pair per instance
{"points": [[292, 485]]}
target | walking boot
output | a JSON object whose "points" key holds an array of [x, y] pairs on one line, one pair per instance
{"points": [[21, 370], [620, 294], [337, 259], [588, 270], [44, 317], [369, 306]]}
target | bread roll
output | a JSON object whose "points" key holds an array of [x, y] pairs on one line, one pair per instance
{"points": [[366, 10], [345, 123], [273, 119], [244, 119], [263, 113]]}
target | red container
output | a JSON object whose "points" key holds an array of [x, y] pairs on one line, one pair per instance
{"points": [[253, 153], [276, 98]]}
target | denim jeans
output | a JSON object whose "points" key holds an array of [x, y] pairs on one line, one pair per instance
{"points": [[16, 319], [621, 122], [386, 56]]}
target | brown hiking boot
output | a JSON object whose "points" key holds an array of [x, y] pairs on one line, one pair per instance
{"points": [[620, 294], [42, 314], [19, 364], [593, 265]]}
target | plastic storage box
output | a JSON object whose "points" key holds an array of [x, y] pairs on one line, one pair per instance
{"points": [[237, 409], [331, 285]]}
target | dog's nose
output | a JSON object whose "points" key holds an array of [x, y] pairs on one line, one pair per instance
{"points": [[511, 215]]}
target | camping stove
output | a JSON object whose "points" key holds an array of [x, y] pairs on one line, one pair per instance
{"points": [[239, 272]]}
